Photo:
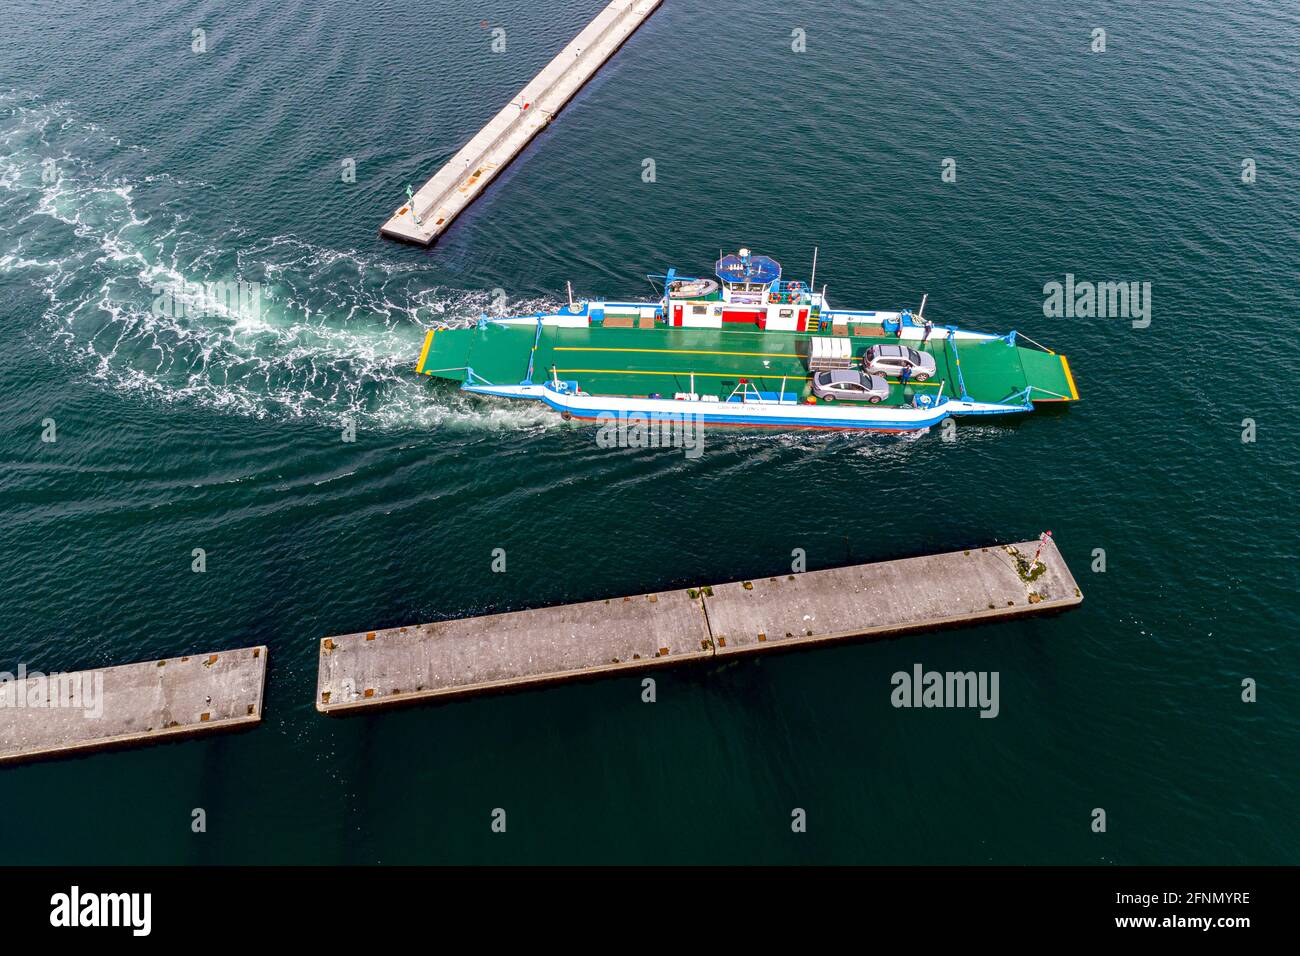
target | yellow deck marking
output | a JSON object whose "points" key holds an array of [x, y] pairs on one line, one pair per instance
{"points": [[1074, 392], [615, 371], [424, 353], [763, 374], [576, 348]]}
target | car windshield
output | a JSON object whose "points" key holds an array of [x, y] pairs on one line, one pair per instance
{"points": [[915, 356]]}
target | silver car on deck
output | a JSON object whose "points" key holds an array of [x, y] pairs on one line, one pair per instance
{"points": [[848, 384], [892, 359]]}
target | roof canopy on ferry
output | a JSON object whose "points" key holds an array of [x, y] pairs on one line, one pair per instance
{"points": [[746, 267]]}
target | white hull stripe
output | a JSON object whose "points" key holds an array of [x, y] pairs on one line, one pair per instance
{"points": [[884, 418]]}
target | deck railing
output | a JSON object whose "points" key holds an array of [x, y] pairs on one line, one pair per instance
{"points": [[961, 382]]}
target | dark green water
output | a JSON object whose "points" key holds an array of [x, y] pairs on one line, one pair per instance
{"points": [[222, 432]]}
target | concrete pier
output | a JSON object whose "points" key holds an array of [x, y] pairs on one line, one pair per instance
{"points": [[524, 648], [468, 173], [58, 714]]}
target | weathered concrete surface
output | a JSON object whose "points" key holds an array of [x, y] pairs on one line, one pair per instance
{"points": [[139, 703], [523, 648], [509, 650], [890, 597], [477, 163]]}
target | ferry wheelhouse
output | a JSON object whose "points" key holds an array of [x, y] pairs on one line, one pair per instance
{"points": [[748, 292]]}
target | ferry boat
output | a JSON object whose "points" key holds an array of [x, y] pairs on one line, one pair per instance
{"points": [[745, 347]]}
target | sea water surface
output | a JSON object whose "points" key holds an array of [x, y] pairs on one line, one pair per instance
{"points": [[130, 162]]}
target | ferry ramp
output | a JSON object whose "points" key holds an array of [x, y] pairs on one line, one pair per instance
{"points": [[995, 371]]}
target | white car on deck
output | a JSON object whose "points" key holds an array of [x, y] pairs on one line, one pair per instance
{"points": [[892, 359]]}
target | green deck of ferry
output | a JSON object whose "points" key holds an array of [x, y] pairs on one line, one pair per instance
{"points": [[637, 362]]}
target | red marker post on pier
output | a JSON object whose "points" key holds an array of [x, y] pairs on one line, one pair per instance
{"points": [[1042, 540]]}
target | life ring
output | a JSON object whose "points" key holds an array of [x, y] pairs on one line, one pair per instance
{"points": [[773, 298]]}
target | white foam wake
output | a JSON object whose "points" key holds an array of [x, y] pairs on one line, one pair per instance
{"points": [[337, 331]]}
